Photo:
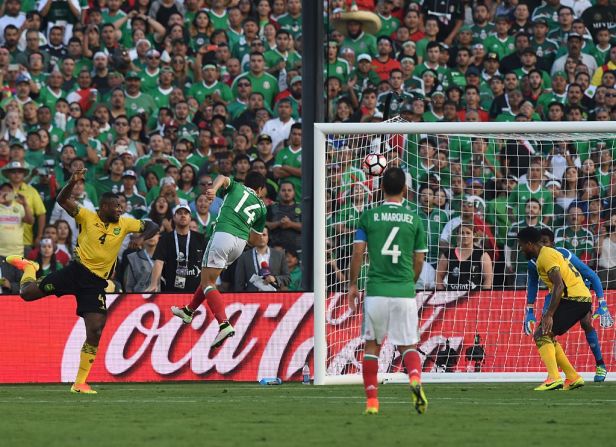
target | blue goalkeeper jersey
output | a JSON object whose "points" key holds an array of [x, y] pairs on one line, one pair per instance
{"points": [[591, 279]]}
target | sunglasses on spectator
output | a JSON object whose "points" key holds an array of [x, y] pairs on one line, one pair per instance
{"points": [[181, 150], [153, 57], [610, 95]]}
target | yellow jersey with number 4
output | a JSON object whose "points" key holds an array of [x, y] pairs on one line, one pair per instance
{"points": [[550, 259], [98, 243]]}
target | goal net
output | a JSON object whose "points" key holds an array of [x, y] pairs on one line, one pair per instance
{"points": [[474, 186]]}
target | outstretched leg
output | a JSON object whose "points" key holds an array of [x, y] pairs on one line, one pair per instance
{"points": [[28, 289], [95, 323]]}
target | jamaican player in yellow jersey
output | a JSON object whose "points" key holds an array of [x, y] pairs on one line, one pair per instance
{"points": [[100, 237], [571, 301]]}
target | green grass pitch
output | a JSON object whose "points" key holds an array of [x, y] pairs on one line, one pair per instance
{"points": [[233, 414]]}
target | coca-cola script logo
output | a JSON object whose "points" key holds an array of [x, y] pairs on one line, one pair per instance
{"points": [[142, 341], [454, 326]]}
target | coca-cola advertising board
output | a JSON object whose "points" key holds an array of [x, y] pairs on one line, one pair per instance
{"points": [[40, 341]]}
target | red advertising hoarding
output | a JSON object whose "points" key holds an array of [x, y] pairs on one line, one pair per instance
{"points": [[40, 341]]}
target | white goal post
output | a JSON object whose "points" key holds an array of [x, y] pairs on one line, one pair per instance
{"points": [[337, 339]]}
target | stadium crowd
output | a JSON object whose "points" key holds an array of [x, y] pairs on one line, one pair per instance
{"points": [[157, 97]]}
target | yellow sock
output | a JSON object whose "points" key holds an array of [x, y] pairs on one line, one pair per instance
{"points": [[29, 274], [86, 359], [563, 362], [548, 356]]}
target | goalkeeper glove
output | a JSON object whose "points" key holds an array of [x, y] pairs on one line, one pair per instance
{"points": [[603, 313], [529, 321]]}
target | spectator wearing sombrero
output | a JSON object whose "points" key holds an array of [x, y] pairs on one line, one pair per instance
{"points": [[360, 28], [16, 172]]}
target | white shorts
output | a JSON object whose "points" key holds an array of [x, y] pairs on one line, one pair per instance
{"points": [[222, 250], [394, 318]]}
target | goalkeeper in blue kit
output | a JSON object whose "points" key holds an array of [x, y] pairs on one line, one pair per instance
{"points": [[592, 281]]}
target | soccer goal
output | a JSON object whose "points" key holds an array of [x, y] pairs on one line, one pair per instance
{"points": [[477, 182]]}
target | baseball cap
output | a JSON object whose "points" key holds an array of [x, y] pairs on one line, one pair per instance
{"points": [[540, 21], [152, 52], [129, 173], [492, 56], [181, 206], [364, 57], [430, 72], [437, 93], [296, 79], [573, 34], [466, 29], [132, 75], [22, 78], [167, 181], [561, 73], [264, 137], [552, 183], [206, 66], [472, 70], [406, 107], [529, 51], [166, 70]]}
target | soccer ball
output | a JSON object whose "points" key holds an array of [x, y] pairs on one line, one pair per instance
{"points": [[374, 164]]}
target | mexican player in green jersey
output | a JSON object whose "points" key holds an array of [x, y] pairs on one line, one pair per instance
{"points": [[241, 220], [396, 243]]}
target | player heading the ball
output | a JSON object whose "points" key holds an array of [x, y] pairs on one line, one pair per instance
{"points": [[241, 220]]}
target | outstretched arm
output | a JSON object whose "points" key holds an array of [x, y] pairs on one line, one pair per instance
{"points": [[64, 198]]}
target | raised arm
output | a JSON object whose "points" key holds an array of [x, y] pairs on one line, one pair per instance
{"points": [[219, 182], [64, 198]]}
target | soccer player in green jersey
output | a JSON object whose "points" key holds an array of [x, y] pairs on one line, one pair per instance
{"points": [[241, 219], [396, 243]]}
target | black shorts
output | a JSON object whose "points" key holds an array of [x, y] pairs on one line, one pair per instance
{"points": [[75, 279], [567, 314]]}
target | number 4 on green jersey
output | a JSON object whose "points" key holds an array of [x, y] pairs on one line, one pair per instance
{"points": [[393, 234]]}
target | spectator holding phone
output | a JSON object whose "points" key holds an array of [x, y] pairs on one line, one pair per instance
{"points": [[14, 212]]}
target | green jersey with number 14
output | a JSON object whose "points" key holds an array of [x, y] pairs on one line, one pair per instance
{"points": [[241, 211], [394, 234]]}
